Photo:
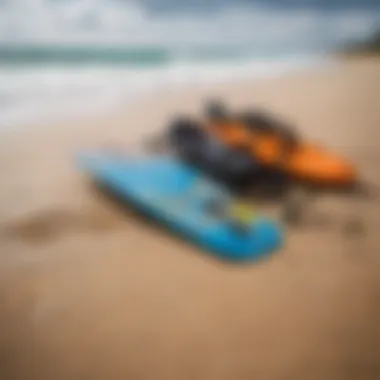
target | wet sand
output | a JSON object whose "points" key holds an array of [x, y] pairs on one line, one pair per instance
{"points": [[87, 291]]}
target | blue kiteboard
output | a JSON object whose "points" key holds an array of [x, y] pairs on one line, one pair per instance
{"points": [[187, 202]]}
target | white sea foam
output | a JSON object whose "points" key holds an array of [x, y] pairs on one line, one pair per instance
{"points": [[41, 94]]}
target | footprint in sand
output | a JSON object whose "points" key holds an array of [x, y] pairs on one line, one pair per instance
{"points": [[50, 224]]}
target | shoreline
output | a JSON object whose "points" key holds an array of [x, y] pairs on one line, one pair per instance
{"points": [[77, 116], [202, 92]]}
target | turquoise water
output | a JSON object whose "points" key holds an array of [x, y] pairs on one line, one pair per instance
{"points": [[28, 55], [130, 55]]}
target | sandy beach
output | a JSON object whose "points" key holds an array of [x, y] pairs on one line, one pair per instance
{"points": [[89, 292]]}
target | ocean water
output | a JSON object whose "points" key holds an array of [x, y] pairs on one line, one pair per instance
{"points": [[42, 92], [68, 58]]}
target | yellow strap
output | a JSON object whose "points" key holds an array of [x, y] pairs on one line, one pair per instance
{"points": [[242, 211]]}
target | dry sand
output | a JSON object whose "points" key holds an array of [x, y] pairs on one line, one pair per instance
{"points": [[88, 292]]}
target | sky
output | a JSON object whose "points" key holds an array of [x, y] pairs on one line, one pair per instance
{"points": [[187, 22]]}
